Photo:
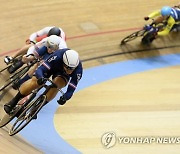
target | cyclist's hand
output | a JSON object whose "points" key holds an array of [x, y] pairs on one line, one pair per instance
{"points": [[146, 18], [41, 81], [28, 41], [62, 100]]}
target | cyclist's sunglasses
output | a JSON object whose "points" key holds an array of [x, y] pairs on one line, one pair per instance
{"points": [[51, 46], [69, 68]]}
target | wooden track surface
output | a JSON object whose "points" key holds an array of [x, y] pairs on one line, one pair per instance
{"points": [[93, 28]]}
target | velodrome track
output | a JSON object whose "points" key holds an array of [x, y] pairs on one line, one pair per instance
{"points": [[132, 91]]}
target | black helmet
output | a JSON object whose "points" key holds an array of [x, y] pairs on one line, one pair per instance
{"points": [[54, 31]]}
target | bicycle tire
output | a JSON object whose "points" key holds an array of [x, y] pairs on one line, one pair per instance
{"points": [[17, 127], [15, 77], [133, 36], [7, 118]]}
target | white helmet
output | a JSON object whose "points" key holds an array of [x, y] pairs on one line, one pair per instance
{"points": [[53, 42], [71, 59]]}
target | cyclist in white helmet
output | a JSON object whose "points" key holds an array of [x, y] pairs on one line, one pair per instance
{"points": [[37, 37], [33, 51], [65, 68], [171, 15], [41, 50]]}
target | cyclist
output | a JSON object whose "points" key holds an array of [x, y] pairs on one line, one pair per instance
{"points": [[41, 50], [65, 68], [50, 44], [37, 37], [169, 14]]}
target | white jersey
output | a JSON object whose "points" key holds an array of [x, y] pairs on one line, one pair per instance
{"points": [[45, 31], [42, 43]]}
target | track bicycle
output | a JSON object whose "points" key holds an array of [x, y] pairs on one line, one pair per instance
{"points": [[12, 62], [147, 33], [28, 110], [18, 74]]}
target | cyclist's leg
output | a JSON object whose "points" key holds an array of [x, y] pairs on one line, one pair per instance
{"points": [[175, 28], [24, 90], [19, 52], [61, 82], [159, 20], [28, 86], [23, 50], [33, 69], [29, 75]]}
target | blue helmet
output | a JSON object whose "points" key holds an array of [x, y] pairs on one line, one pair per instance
{"points": [[166, 11]]}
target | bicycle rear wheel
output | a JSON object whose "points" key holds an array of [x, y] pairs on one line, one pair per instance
{"points": [[133, 36], [27, 115]]}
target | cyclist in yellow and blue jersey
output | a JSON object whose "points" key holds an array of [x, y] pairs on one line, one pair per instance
{"points": [[169, 14]]}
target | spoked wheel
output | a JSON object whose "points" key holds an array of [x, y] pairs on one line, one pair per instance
{"points": [[147, 39], [133, 36], [8, 117], [27, 115], [15, 77]]}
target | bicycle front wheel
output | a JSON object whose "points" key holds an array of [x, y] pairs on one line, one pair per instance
{"points": [[133, 36], [27, 115]]}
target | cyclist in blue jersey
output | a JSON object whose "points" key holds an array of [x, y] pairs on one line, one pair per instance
{"points": [[65, 68]]}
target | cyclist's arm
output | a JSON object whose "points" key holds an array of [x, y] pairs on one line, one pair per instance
{"points": [[154, 14], [63, 44], [34, 49], [40, 51], [41, 32], [63, 35], [40, 71], [28, 58], [73, 84], [46, 66], [168, 27]]}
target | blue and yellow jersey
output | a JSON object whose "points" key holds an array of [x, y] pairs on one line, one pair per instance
{"points": [[173, 19]]}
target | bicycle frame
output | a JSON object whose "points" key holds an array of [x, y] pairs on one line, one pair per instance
{"points": [[142, 33], [25, 117]]}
